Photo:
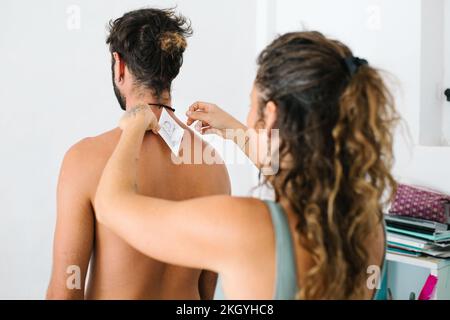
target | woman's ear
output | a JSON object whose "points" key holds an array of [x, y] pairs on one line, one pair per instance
{"points": [[119, 68], [270, 114]]}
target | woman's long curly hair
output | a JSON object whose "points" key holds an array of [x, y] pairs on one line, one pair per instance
{"points": [[335, 133]]}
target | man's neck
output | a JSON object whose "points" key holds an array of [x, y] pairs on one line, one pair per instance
{"points": [[148, 98]]}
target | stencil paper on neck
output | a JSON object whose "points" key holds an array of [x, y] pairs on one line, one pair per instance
{"points": [[171, 132]]}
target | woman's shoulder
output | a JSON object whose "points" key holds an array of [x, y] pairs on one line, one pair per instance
{"points": [[246, 213], [249, 205]]}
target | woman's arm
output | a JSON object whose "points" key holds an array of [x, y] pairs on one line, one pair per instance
{"points": [[213, 120], [209, 233]]}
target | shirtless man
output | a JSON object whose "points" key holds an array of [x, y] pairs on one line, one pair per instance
{"points": [[146, 47]]}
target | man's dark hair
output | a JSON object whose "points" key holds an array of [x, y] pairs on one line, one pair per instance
{"points": [[151, 42]]}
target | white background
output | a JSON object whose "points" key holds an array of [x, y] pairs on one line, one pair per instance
{"points": [[55, 89], [410, 39]]}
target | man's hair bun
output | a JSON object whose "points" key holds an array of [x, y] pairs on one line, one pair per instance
{"points": [[172, 42]]}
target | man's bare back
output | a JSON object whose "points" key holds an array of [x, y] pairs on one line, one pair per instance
{"points": [[116, 270]]}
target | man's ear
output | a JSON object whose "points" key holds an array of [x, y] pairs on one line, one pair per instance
{"points": [[119, 68], [270, 114]]}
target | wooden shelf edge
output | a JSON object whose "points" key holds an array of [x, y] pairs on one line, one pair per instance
{"points": [[424, 262]]}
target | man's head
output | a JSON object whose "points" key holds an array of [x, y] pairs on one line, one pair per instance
{"points": [[147, 48]]}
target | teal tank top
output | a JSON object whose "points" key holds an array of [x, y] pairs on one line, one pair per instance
{"points": [[286, 267]]}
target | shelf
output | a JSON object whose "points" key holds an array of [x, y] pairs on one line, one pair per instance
{"points": [[424, 262]]}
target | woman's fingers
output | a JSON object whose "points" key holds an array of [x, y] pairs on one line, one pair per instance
{"points": [[198, 111], [154, 127], [210, 118], [206, 129], [197, 116], [140, 116], [199, 105]]}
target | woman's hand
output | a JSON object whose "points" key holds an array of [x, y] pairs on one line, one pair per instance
{"points": [[212, 119], [140, 117]]}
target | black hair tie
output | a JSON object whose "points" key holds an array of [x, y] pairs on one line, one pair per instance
{"points": [[161, 106], [353, 63]]}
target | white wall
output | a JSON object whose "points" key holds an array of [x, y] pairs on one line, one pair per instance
{"points": [[446, 111], [373, 30], [392, 35], [56, 89], [431, 72]]}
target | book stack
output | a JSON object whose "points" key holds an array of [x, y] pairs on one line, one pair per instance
{"points": [[415, 236]]}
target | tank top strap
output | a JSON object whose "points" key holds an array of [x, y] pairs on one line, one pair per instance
{"points": [[286, 268]]}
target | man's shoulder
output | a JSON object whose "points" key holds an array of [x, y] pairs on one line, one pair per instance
{"points": [[82, 164], [89, 150], [207, 162], [91, 145]]}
